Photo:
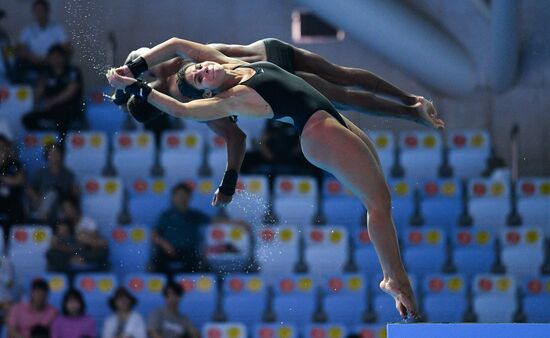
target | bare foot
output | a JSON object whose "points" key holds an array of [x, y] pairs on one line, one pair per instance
{"points": [[402, 292], [427, 114]]}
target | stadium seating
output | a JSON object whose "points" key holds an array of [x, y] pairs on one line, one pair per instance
{"points": [[224, 330], [326, 250], [340, 206], [364, 255], [129, 249], [102, 200], [325, 330], [294, 300], [268, 330], [444, 298], [28, 245], [203, 193], [534, 202], [277, 250], [96, 288], [31, 150], [441, 203], [345, 299], [58, 283], [384, 141], [105, 116], [133, 155], [200, 298], [147, 288], [421, 154], [402, 202], [15, 101], [371, 330], [473, 250], [536, 299], [245, 299], [295, 199], [383, 304], [250, 202], [494, 298], [147, 199], [228, 247], [181, 155], [489, 202], [424, 250], [217, 155], [469, 151], [86, 153], [520, 246]]}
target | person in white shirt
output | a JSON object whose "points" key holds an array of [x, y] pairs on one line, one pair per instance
{"points": [[124, 322]]}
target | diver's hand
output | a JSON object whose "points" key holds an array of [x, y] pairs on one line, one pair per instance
{"points": [[117, 80], [221, 199], [124, 71]]}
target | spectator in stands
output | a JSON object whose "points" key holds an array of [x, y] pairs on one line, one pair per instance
{"points": [[93, 248], [124, 322], [74, 323], [58, 95], [6, 57], [40, 331], [177, 234], [7, 287], [12, 181], [168, 322], [63, 250], [49, 183], [37, 312], [36, 40]]}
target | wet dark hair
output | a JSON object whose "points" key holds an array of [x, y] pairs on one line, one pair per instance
{"points": [[185, 88], [175, 287], [40, 284], [42, 3], [182, 186], [121, 291], [73, 293], [141, 110]]}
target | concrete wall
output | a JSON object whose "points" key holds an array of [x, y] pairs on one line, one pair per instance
{"points": [[244, 21]]}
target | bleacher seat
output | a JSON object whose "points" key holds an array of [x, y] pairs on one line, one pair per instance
{"points": [[522, 251], [295, 199], [294, 300], [181, 155], [199, 302], [384, 141], [252, 127], [402, 202], [96, 288], [129, 249], [86, 153], [489, 202], [269, 330], [421, 154], [277, 250], [250, 202], [441, 203], [473, 250], [203, 193], [534, 202], [364, 255], [371, 330], [147, 288], [340, 206], [469, 151], [224, 330], [58, 283], [444, 298], [105, 116], [536, 299], [217, 155], [494, 298], [384, 304], [245, 299], [31, 150], [326, 250], [102, 200], [222, 236], [133, 155], [148, 198], [424, 250], [28, 245], [345, 299], [15, 101], [325, 330]]}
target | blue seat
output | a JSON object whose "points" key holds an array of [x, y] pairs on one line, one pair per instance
{"points": [[147, 288], [468, 152], [102, 200], [522, 251], [332, 330], [473, 250], [224, 330], [200, 298], [251, 201], [295, 199], [96, 288], [86, 153], [130, 249], [217, 155], [133, 155], [384, 141], [203, 193], [268, 330], [345, 299], [294, 300], [28, 245], [402, 202], [421, 154], [489, 201], [277, 250], [495, 298], [341, 207], [536, 299], [370, 330], [444, 298], [534, 202], [147, 199], [181, 155], [384, 304], [326, 250], [221, 235], [31, 150], [245, 299], [58, 283], [365, 256], [441, 203], [105, 117], [424, 250]]}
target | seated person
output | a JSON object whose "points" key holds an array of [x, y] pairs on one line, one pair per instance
{"points": [[74, 323], [124, 322], [12, 181], [177, 234]]}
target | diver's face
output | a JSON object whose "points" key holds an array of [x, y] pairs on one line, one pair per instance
{"points": [[205, 75]]}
